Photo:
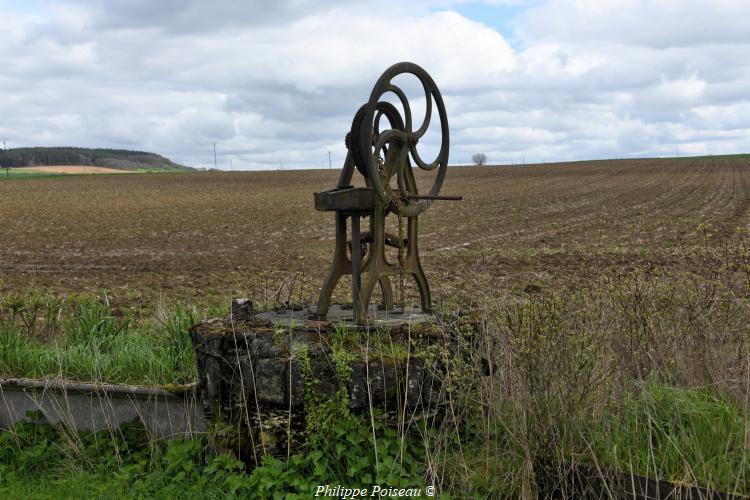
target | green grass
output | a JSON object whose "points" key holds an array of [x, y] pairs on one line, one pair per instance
{"points": [[44, 462], [685, 436], [641, 371], [80, 338], [19, 173], [681, 435]]}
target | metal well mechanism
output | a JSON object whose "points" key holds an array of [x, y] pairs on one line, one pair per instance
{"points": [[384, 157]]}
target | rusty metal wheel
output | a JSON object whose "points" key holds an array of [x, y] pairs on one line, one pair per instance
{"points": [[379, 155], [383, 108]]}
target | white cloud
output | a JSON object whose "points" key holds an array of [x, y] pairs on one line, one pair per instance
{"points": [[660, 23], [279, 82]]}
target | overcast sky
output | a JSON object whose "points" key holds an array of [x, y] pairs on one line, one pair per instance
{"points": [[277, 83]]}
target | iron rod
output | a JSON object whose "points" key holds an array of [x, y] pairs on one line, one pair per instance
{"points": [[356, 267]]}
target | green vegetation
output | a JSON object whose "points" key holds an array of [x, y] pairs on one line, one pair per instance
{"points": [[17, 173], [111, 158], [80, 338], [44, 462], [685, 436], [40, 461], [641, 371]]}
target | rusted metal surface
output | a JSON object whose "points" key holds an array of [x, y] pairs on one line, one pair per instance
{"points": [[384, 158], [345, 199]]}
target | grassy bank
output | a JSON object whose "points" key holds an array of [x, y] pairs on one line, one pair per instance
{"points": [[644, 371], [82, 338], [47, 462]]}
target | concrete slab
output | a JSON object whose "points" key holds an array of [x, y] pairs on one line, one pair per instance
{"points": [[339, 314], [94, 407]]}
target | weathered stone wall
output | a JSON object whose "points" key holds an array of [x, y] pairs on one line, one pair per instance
{"points": [[255, 371], [266, 368]]}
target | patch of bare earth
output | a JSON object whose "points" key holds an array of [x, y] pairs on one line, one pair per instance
{"points": [[75, 169]]}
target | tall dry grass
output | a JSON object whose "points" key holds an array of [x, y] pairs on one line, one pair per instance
{"points": [[644, 372]]}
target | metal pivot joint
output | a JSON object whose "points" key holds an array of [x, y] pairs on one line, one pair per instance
{"points": [[384, 158]]}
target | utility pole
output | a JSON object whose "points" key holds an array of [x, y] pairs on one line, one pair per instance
{"points": [[7, 167], [329, 160], [215, 165]]}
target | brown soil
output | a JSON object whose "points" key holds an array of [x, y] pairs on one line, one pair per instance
{"points": [[205, 233]]}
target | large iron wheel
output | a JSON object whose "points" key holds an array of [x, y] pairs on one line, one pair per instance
{"points": [[379, 155]]}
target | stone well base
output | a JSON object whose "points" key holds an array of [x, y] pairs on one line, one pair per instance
{"points": [[253, 368]]}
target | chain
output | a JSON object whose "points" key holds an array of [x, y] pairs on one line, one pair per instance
{"points": [[381, 170], [396, 201]]}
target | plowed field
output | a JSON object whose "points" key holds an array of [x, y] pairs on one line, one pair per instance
{"points": [[200, 233]]}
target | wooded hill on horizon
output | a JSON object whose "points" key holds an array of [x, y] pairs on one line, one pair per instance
{"points": [[111, 158]]}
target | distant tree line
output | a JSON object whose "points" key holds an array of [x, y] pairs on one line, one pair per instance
{"points": [[111, 158]]}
